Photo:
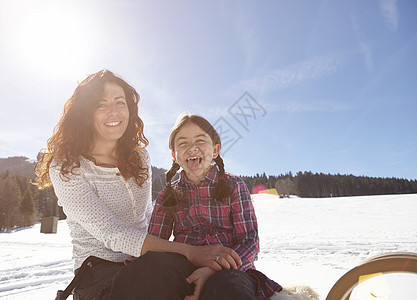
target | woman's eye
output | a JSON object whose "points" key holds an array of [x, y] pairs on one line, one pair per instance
{"points": [[101, 105], [121, 102]]}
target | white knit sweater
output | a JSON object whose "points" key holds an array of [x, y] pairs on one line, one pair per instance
{"points": [[107, 215]]}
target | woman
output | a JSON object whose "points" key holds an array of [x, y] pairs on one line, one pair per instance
{"points": [[100, 170]]}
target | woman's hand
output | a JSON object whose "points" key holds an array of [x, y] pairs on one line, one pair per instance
{"points": [[216, 257], [199, 277]]}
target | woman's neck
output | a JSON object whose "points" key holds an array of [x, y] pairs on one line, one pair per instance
{"points": [[105, 155]]}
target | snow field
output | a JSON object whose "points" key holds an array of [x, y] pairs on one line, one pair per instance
{"points": [[304, 241]]}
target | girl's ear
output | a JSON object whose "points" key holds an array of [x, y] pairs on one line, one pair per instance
{"points": [[173, 155], [216, 150]]}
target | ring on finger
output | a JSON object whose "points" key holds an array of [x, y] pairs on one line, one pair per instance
{"points": [[217, 258]]}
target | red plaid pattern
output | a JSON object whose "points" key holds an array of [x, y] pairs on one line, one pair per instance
{"points": [[200, 220]]}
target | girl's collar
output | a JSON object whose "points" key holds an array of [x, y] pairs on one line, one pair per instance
{"points": [[210, 176]]}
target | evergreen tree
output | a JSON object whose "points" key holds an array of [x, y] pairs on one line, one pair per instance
{"points": [[9, 204], [285, 186], [27, 208]]}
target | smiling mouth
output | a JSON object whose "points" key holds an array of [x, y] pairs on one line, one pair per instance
{"points": [[112, 124], [194, 158]]}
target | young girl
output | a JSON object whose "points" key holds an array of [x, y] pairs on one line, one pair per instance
{"points": [[208, 206]]}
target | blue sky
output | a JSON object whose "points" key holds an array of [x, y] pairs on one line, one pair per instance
{"points": [[321, 86]]}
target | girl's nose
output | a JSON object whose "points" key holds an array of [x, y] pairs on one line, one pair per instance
{"points": [[193, 148]]}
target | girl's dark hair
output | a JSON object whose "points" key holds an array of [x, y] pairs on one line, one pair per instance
{"points": [[171, 196], [222, 190], [73, 135]]}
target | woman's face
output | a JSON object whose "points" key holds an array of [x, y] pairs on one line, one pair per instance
{"points": [[111, 115], [194, 151]]}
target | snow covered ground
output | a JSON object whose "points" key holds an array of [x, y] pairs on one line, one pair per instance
{"points": [[303, 242]]}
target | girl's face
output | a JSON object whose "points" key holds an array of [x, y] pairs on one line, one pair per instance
{"points": [[194, 151], [111, 115]]}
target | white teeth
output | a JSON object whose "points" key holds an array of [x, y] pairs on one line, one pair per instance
{"points": [[193, 158], [112, 123]]}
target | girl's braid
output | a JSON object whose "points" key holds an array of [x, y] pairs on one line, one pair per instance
{"points": [[222, 190], [171, 196], [171, 172]]}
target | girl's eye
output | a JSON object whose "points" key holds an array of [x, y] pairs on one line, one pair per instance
{"points": [[101, 105], [121, 102], [201, 142]]}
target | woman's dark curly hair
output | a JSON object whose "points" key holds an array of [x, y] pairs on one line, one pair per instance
{"points": [[73, 135]]}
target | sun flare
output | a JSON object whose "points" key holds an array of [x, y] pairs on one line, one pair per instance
{"points": [[51, 38]]}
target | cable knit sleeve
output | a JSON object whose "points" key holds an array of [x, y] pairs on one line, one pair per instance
{"points": [[101, 211]]}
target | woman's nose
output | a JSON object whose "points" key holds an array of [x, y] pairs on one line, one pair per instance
{"points": [[112, 109]]}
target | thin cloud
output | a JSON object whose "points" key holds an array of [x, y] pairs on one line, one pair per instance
{"points": [[291, 76], [389, 12], [247, 38], [299, 106], [365, 49], [246, 32]]}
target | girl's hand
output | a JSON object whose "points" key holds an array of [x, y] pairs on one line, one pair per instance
{"points": [[199, 277], [216, 257]]}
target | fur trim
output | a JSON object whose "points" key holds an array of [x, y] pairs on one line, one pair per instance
{"points": [[297, 292]]}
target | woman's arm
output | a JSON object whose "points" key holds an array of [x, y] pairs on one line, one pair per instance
{"points": [[198, 255], [82, 205]]}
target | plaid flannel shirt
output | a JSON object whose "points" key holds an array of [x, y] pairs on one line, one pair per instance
{"points": [[200, 220]]}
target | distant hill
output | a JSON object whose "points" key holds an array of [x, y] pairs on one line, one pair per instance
{"points": [[18, 165]]}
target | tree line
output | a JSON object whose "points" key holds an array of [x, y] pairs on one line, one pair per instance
{"points": [[319, 185], [22, 204]]}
